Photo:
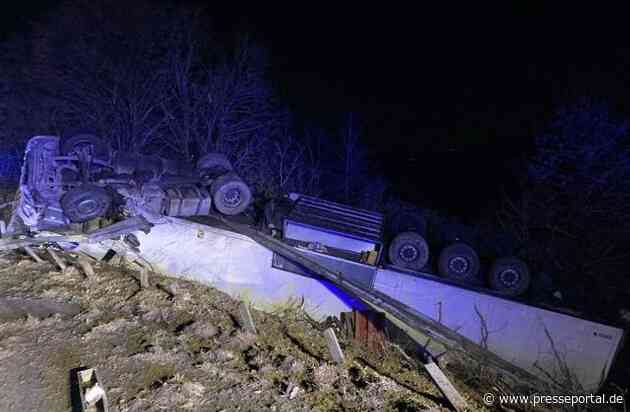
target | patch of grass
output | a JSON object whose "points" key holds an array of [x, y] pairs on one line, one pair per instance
{"points": [[404, 404], [136, 342], [195, 344], [65, 359], [156, 374], [325, 401]]}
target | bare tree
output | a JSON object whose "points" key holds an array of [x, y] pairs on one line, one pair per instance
{"points": [[573, 212]]}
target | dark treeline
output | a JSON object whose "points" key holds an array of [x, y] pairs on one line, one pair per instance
{"points": [[157, 80]]}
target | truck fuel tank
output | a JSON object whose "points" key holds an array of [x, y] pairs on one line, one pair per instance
{"points": [[177, 200]]}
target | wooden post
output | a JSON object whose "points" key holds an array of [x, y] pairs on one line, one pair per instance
{"points": [[445, 386], [62, 265], [247, 322], [87, 268], [144, 278], [375, 336], [369, 329], [32, 254], [347, 320], [360, 327], [333, 346], [3, 228]]}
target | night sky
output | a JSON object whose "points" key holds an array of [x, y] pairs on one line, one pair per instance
{"points": [[450, 98]]}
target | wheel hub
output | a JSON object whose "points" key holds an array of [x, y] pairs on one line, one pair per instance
{"points": [[232, 197], [408, 253], [509, 277], [459, 265], [87, 206]]}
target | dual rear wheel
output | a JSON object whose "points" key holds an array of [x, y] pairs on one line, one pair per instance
{"points": [[460, 262]]}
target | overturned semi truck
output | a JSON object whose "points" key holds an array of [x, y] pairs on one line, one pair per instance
{"points": [[330, 254], [81, 179]]}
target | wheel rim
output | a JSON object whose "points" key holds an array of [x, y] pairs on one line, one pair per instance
{"points": [[459, 265], [88, 206], [408, 253], [509, 277], [232, 197]]}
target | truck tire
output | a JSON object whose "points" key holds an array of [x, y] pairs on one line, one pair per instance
{"points": [[409, 250], [408, 221], [230, 194], [459, 262], [97, 147], [509, 275], [85, 203], [214, 163]]}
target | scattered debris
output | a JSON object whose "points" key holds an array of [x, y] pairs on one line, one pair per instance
{"points": [[93, 396], [291, 391]]}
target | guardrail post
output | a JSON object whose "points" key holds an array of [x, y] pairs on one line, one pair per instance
{"points": [[333, 346], [246, 318], [32, 254], [62, 265]]}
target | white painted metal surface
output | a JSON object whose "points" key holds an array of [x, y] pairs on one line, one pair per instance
{"points": [[231, 263], [535, 339]]}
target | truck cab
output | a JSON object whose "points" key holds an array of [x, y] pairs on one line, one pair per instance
{"points": [[81, 178]]}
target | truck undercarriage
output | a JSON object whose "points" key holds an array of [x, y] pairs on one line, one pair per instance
{"points": [[81, 180]]}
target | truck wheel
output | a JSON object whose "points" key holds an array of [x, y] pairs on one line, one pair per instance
{"points": [[409, 250], [85, 203], [230, 194], [96, 145], [509, 275], [459, 262], [213, 163]]}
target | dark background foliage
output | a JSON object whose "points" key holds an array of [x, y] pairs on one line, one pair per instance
{"points": [[507, 119]]}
